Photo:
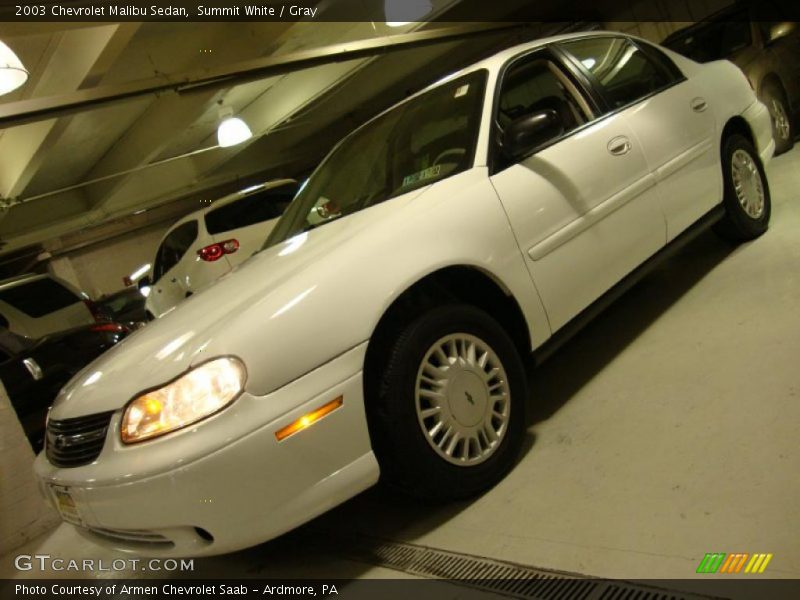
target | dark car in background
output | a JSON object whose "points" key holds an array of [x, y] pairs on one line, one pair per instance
{"points": [[768, 52], [125, 306], [33, 372]]}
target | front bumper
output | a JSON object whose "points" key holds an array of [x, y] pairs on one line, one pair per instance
{"points": [[227, 483]]}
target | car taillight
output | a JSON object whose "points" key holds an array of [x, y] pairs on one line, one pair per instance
{"points": [[217, 251], [113, 327]]}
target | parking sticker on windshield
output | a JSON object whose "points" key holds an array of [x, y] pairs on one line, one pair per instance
{"points": [[428, 173]]}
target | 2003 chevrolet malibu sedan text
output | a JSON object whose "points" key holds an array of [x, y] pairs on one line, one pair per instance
{"points": [[381, 329]]}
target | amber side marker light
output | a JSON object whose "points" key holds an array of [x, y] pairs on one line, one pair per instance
{"points": [[308, 419]]}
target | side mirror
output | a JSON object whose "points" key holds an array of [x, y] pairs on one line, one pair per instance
{"points": [[780, 30], [531, 131]]}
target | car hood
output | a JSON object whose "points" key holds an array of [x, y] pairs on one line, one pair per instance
{"points": [[199, 328]]}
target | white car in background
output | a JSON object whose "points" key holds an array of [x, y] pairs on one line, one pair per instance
{"points": [[206, 244], [35, 305], [382, 329]]}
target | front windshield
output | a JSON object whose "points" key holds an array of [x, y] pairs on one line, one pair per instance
{"points": [[422, 141]]}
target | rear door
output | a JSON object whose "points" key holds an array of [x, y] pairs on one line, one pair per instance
{"points": [[671, 117], [168, 288], [248, 220], [583, 208]]}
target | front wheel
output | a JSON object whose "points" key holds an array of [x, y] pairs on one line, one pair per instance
{"points": [[448, 419], [746, 193]]}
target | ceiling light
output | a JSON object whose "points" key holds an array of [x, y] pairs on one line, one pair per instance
{"points": [[12, 73], [410, 11], [232, 131], [140, 272]]}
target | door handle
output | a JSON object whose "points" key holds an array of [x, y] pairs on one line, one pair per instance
{"points": [[699, 104], [619, 145]]}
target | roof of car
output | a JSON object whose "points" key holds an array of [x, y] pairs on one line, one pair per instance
{"points": [[494, 62], [20, 279]]}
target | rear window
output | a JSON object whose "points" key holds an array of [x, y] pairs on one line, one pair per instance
{"points": [[173, 248], [252, 209], [625, 73], [39, 298]]}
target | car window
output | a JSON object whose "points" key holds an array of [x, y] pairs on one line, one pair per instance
{"points": [[537, 84], [414, 144], [39, 297], [623, 71], [173, 248], [249, 210]]}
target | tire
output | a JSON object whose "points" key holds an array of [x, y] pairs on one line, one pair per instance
{"points": [[406, 451], [748, 210], [782, 122]]}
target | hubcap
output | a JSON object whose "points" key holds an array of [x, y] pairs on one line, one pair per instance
{"points": [[462, 399], [747, 184], [779, 119]]}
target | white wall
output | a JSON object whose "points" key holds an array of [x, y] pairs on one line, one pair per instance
{"points": [[99, 269], [23, 513]]}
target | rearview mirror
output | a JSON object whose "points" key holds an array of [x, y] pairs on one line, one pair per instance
{"points": [[531, 131], [780, 30]]}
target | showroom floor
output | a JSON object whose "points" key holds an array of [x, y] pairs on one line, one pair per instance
{"points": [[665, 430]]}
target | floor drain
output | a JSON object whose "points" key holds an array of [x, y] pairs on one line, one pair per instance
{"points": [[508, 579]]}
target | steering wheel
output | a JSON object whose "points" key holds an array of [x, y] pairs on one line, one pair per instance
{"points": [[451, 151]]}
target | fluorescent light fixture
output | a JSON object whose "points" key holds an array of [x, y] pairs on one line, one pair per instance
{"points": [[12, 73], [404, 12], [138, 273], [253, 188], [233, 131]]}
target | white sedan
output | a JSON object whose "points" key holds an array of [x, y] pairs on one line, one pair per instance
{"points": [[381, 330]]}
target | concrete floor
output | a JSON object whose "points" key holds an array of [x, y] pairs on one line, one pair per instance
{"points": [[666, 429]]}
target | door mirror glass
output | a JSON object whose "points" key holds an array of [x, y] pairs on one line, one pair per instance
{"points": [[527, 133], [780, 30]]}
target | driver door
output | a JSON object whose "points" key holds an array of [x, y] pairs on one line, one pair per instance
{"points": [[583, 207]]}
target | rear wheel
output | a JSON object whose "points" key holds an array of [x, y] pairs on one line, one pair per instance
{"points": [[448, 419], [747, 199], [782, 125]]}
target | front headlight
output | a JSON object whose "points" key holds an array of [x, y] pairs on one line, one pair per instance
{"points": [[196, 395]]}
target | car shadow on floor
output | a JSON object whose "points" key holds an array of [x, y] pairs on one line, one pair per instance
{"points": [[561, 376], [318, 549]]}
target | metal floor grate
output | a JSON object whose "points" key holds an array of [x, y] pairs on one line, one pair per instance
{"points": [[505, 578]]}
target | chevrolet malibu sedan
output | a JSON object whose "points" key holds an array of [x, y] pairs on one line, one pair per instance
{"points": [[381, 330]]}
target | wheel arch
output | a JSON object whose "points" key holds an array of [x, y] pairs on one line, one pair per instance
{"points": [[457, 283], [773, 79], [734, 125]]}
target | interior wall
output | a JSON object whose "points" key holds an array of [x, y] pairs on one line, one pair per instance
{"points": [[674, 15], [99, 269]]}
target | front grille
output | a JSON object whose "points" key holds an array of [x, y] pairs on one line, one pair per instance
{"points": [[76, 442]]}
